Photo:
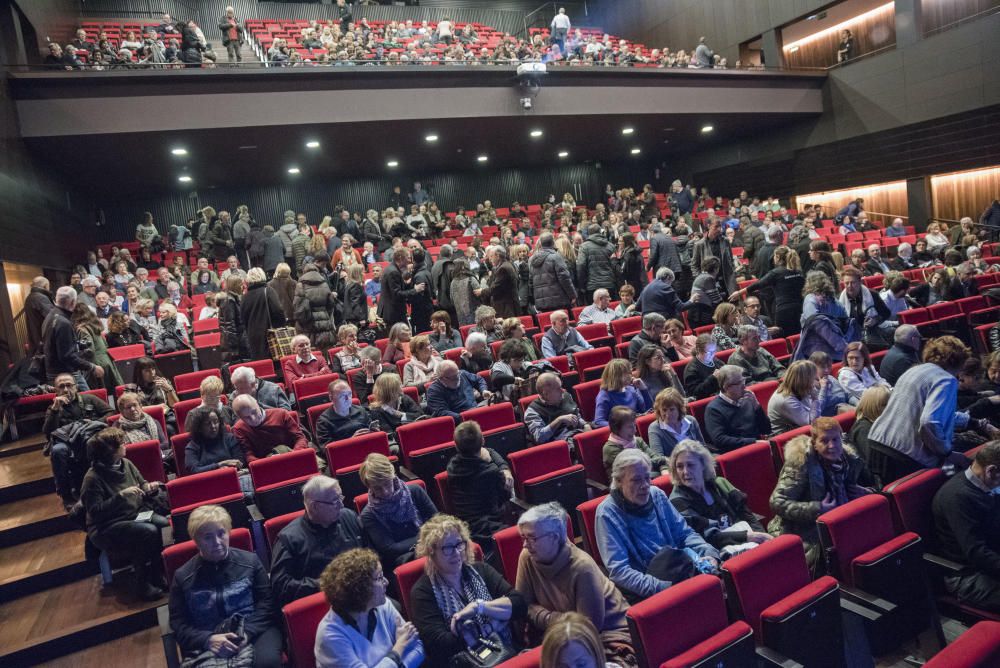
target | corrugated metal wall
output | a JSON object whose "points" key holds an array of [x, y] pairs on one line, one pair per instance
{"points": [[318, 199]]}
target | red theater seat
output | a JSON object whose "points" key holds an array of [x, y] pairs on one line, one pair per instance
{"points": [[587, 514], [751, 470], [263, 369], [345, 458], [187, 384], [312, 390], [302, 619], [278, 480], [427, 445], [501, 429], [273, 526], [586, 398], [148, 459], [221, 487], [590, 448], [979, 647], [545, 473]]}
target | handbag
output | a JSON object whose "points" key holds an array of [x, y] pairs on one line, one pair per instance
{"points": [[242, 659], [279, 339], [487, 651]]}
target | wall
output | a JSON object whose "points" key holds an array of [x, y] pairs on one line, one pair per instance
{"points": [[965, 193], [883, 198], [50, 18], [938, 14], [873, 30]]}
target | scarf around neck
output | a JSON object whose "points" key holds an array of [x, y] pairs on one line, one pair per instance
{"points": [[143, 429], [474, 588], [398, 508], [645, 510], [618, 440]]}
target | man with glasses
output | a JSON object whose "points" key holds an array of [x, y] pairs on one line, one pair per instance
{"points": [[734, 418], [455, 391], [751, 316], [305, 547]]}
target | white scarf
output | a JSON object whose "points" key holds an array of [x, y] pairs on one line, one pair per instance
{"points": [[867, 303]]}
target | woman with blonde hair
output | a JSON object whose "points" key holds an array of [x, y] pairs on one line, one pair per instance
{"points": [[424, 362], [672, 424], [354, 298], [571, 642], [348, 356], [870, 407], [395, 511], [284, 287], [390, 407], [724, 333], [398, 347], [799, 399], [619, 388], [261, 310]]}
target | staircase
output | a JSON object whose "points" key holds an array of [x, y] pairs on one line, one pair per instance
{"points": [[52, 600]]}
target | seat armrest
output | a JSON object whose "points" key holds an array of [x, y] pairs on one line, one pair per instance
{"points": [[863, 611], [598, 486], [768, 657], [944, 563], [170, 650], [255, 514], [867, 600], [407, 474]]}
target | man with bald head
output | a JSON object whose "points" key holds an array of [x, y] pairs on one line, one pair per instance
{"points": [[342, 419], [262, 433], [454, 391]]}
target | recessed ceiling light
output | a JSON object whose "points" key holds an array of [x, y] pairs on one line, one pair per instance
{"points": [[392, 163], [179, 151], [483, 158], [707, 128], [627, 131], [184, 179], [666, 141], [563, 154], [636, 151], [312, 144], [431, 138], [536, 133], [294, 170]]}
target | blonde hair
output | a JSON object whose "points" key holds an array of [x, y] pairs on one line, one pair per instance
{"points": [[376, 468], [570, 627], [616, 376], [418, 343], [128, 397], [388, 388], [210, 385], [799, 380], [255, 275], [208, 514], [565, 248], [169, 308], [282, 270], [344, 330], [433, 531], [873, 402], [667, 398], [699, 451]]}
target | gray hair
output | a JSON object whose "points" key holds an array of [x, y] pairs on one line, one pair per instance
{"points": [[773, 234], [66, 297], [699, 451], [550, 517], [904, 249], [299, 337], [256, 275], [483, 312], [665, 274], [651, 320], [319, 484], [243, 373], [745, 331], [370, 353], [40, 282], [728, 373], [445, 251], [973, 249], [91, 282], [656, 228], [625, 460], [475, 338], [600, 293], [903, 332]]}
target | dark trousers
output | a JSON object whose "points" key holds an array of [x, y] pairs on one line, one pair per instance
{"points": [[977, 589], [141, 543], [267, 649]]}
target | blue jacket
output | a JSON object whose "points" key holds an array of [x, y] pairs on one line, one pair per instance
{"points": [[638, 401], [443, 400], [628, 543]]}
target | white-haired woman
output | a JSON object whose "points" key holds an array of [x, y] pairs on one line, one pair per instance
{"points": [[261, 310]]}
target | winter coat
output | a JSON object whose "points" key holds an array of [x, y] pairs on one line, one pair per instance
{"points": [[221, 241], [633, 270], [551, 283], [36, 306], [284, 287], [235, 346], [464, 299], [503, 287], [595, 266], [355, 303], [261, 310], [300, 246], [313, 306], [286, 234], [274, 253]]}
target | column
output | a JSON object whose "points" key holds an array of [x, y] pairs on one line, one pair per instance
{"points": [[771, 49], [918, 202], [908, 30]]}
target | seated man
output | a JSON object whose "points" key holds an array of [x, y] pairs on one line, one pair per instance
{"points": [[905, 353], [967, 525], [304, 364], [561, 338], [734, 418], [758, 365], [371, 368], [646, 551], [653, 325], [343, 419], [553, 416], [455, 391], [262, 433], [267, 394], [479, 482], [66, 425], [555, 577], [750, 315], [308, 543], [598, 312]]}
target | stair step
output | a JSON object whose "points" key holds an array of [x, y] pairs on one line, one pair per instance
{"points": [[61, 620], [32, 518], [138, 650], [43, 563], [26, 444], [25, 475]]}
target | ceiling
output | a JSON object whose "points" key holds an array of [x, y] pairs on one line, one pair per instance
{"points": [[133, 163]]}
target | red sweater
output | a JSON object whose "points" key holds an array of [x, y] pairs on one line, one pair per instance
{"points": [[293, 369], [280, 427]]}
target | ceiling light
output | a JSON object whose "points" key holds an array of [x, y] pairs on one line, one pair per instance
{"points": [[392, 163], [794, 49], [707, 128], [563, 154], [431, 138], [483, 158], [536, 133], [184, 179], [312, 144], [294, 170], [179, 151], [627, 131], [636, 151]]}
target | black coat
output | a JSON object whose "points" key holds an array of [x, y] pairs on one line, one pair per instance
{"points": [[261, 310], [61, 351], [633, 270], [478, 493], [897, 361], [314, 308], [231, 326], [503, 287], [36, 306], [595, 267], [392, 302]]}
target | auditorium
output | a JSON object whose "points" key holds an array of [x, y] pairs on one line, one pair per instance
{"points": [[500, 333]]}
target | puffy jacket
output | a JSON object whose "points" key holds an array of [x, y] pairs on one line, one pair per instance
{"points": [[300, 246], [313, 306], [235, 346], [551, 284], [287, 234], [595, 266]]}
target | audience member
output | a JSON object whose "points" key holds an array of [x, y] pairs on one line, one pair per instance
{"points": [[551, 281], [674, 337], [660, 297], [651, 368], [598, 312], [479, 483], [653, 325], [262, 433], [443, 337], [904, 353], [138, 425], [799, 399], [835, 395], [622, 436], [395, 511], [619, 388], [561, 339], [574, 641], [212, 446], [726, 330], [210, 390], [475, 357], [699, 373], [858, 372], [59, 345], [870, 407], [758, 364], [390, 408], [304, 364], [342, 419], [267, 393], [734, 418], [672, 424], [455, 391], [363, 383], [553, 415], [348, 355]]}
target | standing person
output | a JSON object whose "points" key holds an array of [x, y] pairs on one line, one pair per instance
{"points": [[465, 290], [313, 306], [284, 287], [392, 303], [703, 54], [632, 268], [421, 301], [37, 306], [560, 27], [88, 333], [595, 266], [232, 36], [715, 245], [551, 283], [845, 50], [231, 324], [62, 354], [503, 285], [260, 310]]}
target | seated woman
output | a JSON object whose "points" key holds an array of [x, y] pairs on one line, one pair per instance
{"points": [[836, 395], [858, 372], [627, 307], [699, 374], [820, 473], [444, 337], [123, 331], [145, 319], [870, 407], [726, 319], [575, 642], [672, 424], [363, 627], [510, 376], [623, 437], [423, 365], [215, 585], [174, 326], [476, 357], [204, 284], [211, 392], [487, 325], [454, 596], [557, 578], [619, 388], [209, 310], [113, 494], [154, 390], [799, 399], [513, 329], [398, 347], [935, 290], [390, 407], [643, 540], [349, 355], [710, 504], [212, 446], [138, 425], [395, 511], [674, 336], [651, 368]]}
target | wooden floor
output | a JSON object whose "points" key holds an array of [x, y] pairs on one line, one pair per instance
{"points": [[139, 650], [23, 468], [29, 511], [42, 555]]}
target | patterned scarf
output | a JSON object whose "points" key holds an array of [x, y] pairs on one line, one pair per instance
{"points": [[474, 588], [398, 508], [835, 479], [143, 429]]}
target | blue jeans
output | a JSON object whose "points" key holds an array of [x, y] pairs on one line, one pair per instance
{"points": [[67, 469]]}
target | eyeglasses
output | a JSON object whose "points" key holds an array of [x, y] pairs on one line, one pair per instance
{"points": [[450, 550], [339, 503], [533, 540]]}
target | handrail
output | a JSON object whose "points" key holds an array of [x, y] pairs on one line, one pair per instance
{"points": [[965, 19], [870, 213]]}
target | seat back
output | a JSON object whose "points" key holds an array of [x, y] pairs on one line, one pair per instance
{"points": [[443, 492], [537, 461], [177, 443], [587, 512], [910, 500], [853, 529], [178, 554], [696, 409], [407, 576], [287, 466], [590, 447], [313, 385], [424, 434], [122, 353], [182, 408], [302, 619], [202, 487], [625, 326], [187, 384], [261, 368], [148, 459], [763, 391], [586, 398], [751, 470], [979, 647], [777, 347], [273, 526], [491, 417]]}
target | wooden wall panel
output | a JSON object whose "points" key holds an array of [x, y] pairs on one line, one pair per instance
{"points": [[885, 198], [965, 193], [872, 30], [938, 14]]}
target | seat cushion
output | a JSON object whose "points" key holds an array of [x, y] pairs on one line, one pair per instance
{"points": [[730, 635], [798, 599]]}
